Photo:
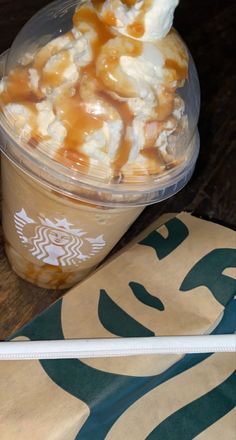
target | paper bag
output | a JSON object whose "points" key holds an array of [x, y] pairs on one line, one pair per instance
{"points": [[177, 280]]}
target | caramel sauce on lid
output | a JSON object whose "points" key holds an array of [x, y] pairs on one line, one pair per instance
{"points": [[137, 28], [127, 117], [109, 18], [78, 121], [152, 153], [122, 155], [129, 3], [108, 68], [181, 72], [107, 74], [165, 105], [98, 4], [152, 130], [18, 88], [155, 160], [75, 113], [88, 16]]}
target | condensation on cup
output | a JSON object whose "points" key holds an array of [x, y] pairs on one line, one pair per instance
{"points": [[98, 120]]}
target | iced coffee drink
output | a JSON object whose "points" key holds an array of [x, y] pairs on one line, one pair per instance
{"points": [[97, 122]]}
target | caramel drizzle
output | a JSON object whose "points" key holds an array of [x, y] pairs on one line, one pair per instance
{"points": [[154, 158], [72, 110], [137, 28], [109, 18], [18, 89], [181, 72], [98, 4], [109, 66], [91, 123], [79, 123], [86, 15], [129, 3], [127, 117]]}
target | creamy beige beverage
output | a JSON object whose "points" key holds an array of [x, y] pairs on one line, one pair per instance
{"points": [[54, 241], [99, 103]]}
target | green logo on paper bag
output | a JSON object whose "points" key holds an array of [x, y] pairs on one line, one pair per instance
{"points": [[145, 297], [209, 272], [178, 232], [117, 321]]}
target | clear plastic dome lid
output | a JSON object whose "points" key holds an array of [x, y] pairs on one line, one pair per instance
{"points": [[88, 106]]}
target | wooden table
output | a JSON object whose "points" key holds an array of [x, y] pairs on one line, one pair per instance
{"points": [[208, 28]]}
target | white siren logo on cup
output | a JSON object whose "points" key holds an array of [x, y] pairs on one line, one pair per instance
{"points": [[57, 242]]}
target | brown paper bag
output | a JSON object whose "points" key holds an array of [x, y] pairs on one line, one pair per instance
{"points": [[177, 280]]}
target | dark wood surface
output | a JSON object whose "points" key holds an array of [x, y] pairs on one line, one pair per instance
{"points": [[208, 28]]}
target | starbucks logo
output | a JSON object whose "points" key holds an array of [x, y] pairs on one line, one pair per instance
{"points": [[56, 242]]}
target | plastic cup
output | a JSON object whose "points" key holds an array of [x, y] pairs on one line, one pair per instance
{"points": [[60, 223]]}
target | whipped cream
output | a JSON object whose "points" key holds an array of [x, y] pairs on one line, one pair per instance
{"points": [[101, 99], [147, 20]]}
